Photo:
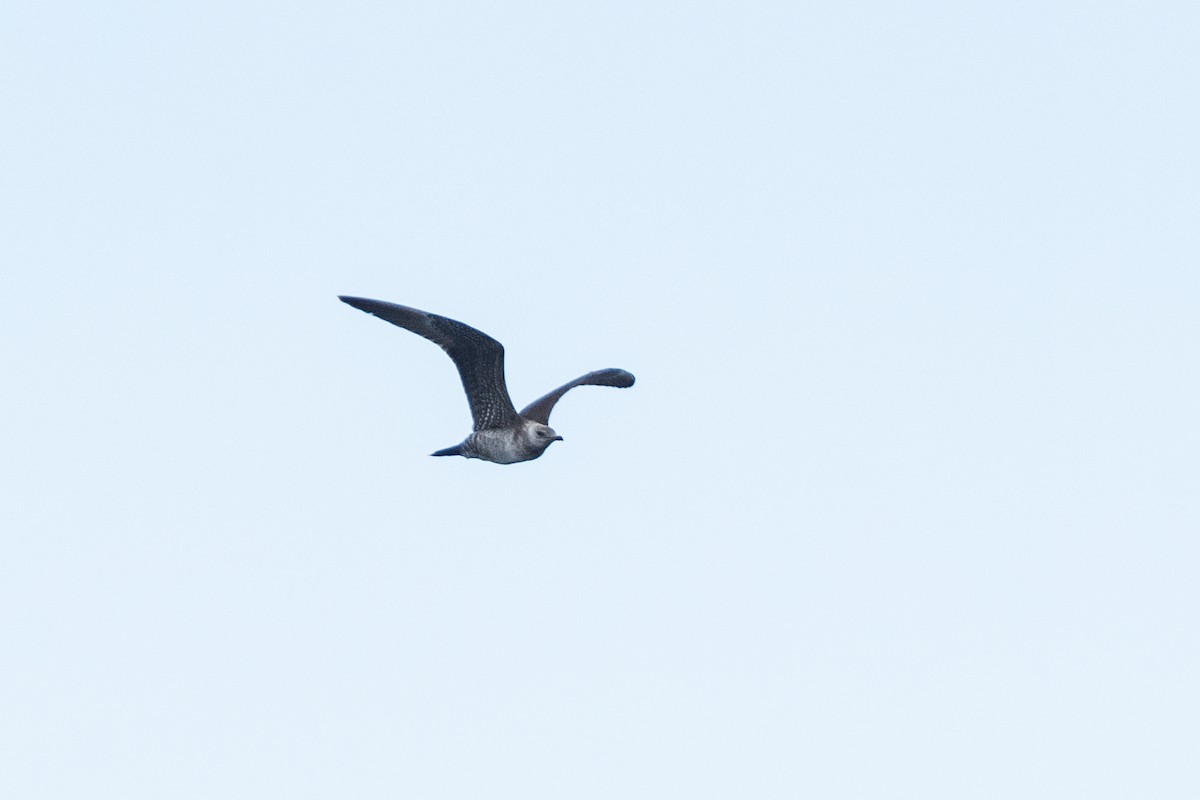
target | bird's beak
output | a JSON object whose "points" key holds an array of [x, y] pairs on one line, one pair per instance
{"points": [[557, 439]]}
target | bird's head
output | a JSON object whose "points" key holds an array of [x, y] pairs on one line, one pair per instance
{"points": [[540, 436]]}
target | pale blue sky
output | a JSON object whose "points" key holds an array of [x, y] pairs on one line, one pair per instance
{"points": [[903, 504]]}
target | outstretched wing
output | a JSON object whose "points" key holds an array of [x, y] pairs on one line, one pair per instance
{"points": [[539, 410], [479, 357]]}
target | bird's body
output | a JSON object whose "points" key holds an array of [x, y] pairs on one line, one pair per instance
{"points": [[501, 435], [523, 442]]}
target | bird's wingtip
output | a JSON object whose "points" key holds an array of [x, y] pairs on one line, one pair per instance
{"points": [[620, 378], [361, 303]]}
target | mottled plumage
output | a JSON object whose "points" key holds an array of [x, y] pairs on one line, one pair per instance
{"points": [[501, 434]]}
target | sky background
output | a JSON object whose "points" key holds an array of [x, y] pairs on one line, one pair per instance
{"points": [[903, 504]]}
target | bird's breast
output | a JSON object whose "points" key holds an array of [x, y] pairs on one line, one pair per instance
{"points": [[500, 445]]}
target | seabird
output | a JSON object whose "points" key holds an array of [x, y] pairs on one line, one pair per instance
{"points": [[501, 435]]}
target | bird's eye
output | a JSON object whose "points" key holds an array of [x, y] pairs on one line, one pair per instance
{"points": [[542, 434]]}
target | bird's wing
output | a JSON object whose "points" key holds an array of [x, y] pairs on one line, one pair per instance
{"points": [[539, 410], [479, 357]]}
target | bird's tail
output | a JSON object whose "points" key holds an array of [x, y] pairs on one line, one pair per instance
{"points": [[449, 451]]}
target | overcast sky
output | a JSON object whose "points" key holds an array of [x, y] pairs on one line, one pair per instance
{"points": [[903, 504]]}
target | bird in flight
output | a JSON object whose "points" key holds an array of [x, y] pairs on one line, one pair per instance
{"points": [[501, 435]]}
